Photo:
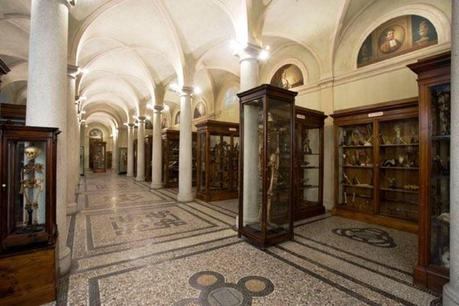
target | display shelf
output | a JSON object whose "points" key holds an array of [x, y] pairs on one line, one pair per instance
{"points": [[399, 190], [391, 144], [400, 168]]}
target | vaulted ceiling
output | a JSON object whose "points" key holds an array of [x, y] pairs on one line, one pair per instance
{"points": [[131, 50]]}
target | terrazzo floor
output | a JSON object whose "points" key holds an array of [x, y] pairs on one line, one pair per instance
{"points": [[133, 246]]}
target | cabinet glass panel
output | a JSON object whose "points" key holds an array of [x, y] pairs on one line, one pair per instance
{"points": [[356, 167], [27, 163], [309, 166], [252, 116], [279, 154], [399, 169], [99, 156], [202, 142], [439, 180], [234, 164]]}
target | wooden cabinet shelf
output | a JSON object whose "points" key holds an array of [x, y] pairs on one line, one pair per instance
{"points": [[387, 134]]}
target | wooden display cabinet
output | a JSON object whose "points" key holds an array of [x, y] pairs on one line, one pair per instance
{"points": [[267, 132], [99, 157], [217, 160], [309, 163], [12, 114], [170, 156], [377, 164], [432, 270], [28, 230]]}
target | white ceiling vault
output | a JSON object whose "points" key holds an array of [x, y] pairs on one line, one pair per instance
{"points": [[130, 50]]}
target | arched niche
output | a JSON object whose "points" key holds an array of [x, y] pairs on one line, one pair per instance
{"points": [[199, 110], [288, 76], [397, 36]]}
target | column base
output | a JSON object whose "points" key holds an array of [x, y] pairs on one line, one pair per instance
{"points": [[156, 186], [65, 260], [72, 208], [450, 296], [140, 179], [185, 197]]}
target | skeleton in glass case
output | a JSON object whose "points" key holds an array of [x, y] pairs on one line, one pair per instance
{"points": [[32, 184]]}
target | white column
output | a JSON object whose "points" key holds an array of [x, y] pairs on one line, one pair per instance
{"points": [[72, 126], [47, 95], [130, 150], [115, 156], [185, 193], [249, 79], [451, 290], [141, 150], [156, 163]]}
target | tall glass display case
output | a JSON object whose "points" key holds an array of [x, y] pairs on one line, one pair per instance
{"points": [[217, 160], [309, 160], [170, 155], [266, 165], [377, 164], [99, 159], [432, 270], [148, 157], [28, 228], [82, 165]]}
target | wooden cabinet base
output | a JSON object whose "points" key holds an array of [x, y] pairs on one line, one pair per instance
{"points": [[395, 223], [430, 278], [28, 278]]}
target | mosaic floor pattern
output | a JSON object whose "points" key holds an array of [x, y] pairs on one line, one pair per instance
{"points": [[133, 246]]}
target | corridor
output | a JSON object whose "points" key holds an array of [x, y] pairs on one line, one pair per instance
{"points": [[133, 246]]}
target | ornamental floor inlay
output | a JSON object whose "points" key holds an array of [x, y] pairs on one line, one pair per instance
{"points": [[133, 246]]}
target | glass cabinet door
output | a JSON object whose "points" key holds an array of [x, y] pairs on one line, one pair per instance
{"points": [[308, 140], [278, 163], [439, 180], [203, 165], [399, 169], [27, 162], [355, 166]]}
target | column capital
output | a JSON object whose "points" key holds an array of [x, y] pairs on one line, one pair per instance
{"points": [[158, 108], [186, 91], [250, 52], [72, 71], [141, 119], [131, 125]]}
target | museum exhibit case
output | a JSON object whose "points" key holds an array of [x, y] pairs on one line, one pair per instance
{"points": [[170, 155], [217, 160], [99, 158], [377, 164], [267, 123], [309, 163], [122, 160], [432, 270], [12, 114], [148, 157], [28, 230]]}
